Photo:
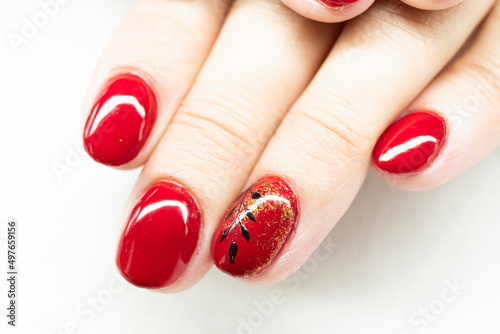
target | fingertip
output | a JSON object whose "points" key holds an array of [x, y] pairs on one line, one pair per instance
{"points": [[407, 151], [329, 11], [121, 120], [161, 240]]}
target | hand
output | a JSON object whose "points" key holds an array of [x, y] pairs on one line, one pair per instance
{"points": [[286, 110]]}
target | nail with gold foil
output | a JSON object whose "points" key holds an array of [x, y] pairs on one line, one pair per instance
{"points": [[255, 228]]}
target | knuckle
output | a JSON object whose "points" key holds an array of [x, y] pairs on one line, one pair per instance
{"points": [[482, 72], [222, 120], [215, 130], [211, 149], [337, 132]]}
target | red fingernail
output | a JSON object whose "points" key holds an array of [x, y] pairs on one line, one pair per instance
{"points": [[411, 143], [160, 237], [121, 120], [337, 3], [255, 228]]}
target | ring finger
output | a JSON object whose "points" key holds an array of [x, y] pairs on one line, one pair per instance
{"points": [[320, 155], [453, 124]]}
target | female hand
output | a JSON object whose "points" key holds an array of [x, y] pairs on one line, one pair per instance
{"points": [[287, 110]]}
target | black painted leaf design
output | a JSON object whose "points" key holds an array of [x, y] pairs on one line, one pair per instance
{"points": [[226, 231], [244, 232], [233, 249], [256, 195], [250, 215], [230, 213]]}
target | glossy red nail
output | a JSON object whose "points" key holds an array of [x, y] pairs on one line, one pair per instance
{"points": [[411, 143], [160, 237], [255, 228], [338, 3], [121, 120]]}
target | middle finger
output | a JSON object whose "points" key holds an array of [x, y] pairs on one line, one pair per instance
{"points": [[263, 59]]}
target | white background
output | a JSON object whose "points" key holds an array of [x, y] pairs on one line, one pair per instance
{"points": [[394, 251]]}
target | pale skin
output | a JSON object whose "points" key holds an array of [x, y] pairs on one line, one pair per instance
{"points": [[251, 88]]}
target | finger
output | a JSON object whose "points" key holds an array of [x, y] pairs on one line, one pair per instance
{"points": [[321, 153], [454, 123], [263, 59], [432, 4], [143, 75], [329, 10]]}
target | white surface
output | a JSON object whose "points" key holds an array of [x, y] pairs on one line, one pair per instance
{"points": [[394, 251]]}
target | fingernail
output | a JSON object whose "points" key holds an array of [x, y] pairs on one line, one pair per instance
{"points": [[120, 120], [255, 228], [160, 237], [337, 3], [411, 144]]}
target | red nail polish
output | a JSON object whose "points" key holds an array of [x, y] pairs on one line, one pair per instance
{"points": [[337, 3], [255, 228], [411, 143], [160, 237], [121, 120]]}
